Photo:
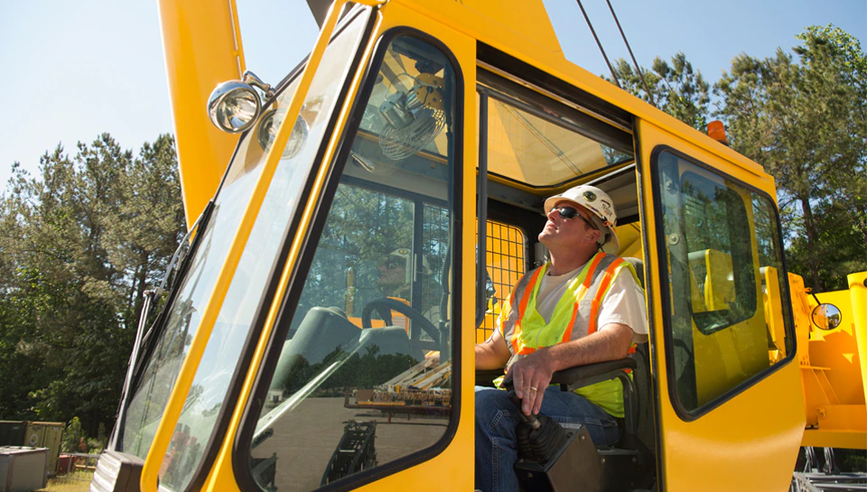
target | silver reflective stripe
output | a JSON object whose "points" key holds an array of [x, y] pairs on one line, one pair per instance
{"points": [[584, 305], [514, 302]]}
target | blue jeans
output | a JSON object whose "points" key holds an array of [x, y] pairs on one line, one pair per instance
{"points": [[496, 444]]}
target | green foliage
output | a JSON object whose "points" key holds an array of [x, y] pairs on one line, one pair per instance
{"points": [[805, 120], [75, 439], [677, 89], [851, 460], [80, 244], [72, 436]]}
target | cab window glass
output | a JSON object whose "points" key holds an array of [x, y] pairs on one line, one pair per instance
{"points": [[722, 247], [720, 258], [539, 142], [370, 338]]}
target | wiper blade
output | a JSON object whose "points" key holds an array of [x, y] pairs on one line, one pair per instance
{"points": [[176, 266]]}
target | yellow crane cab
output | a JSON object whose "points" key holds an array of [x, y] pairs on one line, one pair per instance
{"points": [[317, 329]]}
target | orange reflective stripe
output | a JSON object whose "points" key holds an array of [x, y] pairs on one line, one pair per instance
{"points": [[525, 298], [591, 325], [631, 350], [593, 264], [526, 350], [600, 294]]}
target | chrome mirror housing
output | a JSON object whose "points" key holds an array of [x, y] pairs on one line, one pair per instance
{"points": [[827, 316], [234, 106]]}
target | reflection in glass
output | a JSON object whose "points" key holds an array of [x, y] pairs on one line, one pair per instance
{"points": [[364, 375], [827, 316], [540, 145], [723, 253]]}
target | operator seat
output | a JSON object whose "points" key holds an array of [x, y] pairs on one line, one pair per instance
{"points": [[638, 436]]}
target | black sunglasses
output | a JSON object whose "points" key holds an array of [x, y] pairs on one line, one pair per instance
{"points": [[570, 213]]}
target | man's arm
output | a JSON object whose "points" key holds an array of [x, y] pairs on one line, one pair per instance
{"points": [[493, 353], [536, 369]]}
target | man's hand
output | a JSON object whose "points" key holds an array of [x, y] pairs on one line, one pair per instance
{"points": [[531, 376]]}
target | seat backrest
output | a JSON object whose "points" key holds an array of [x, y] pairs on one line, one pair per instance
{"points": [[645, 423], [645, 430], [638, 265]]}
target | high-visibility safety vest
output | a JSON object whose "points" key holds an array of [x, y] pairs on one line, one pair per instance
{"points": [[525, 331]]}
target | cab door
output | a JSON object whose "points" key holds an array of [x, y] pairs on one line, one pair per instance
{"points": [[342, 400], [730, 407]]}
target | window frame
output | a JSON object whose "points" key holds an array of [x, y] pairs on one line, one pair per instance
{"points": [[252, 408], [666, 297]]}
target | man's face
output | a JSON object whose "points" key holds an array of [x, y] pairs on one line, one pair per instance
{"points": [[560, 230], [392, 272]]}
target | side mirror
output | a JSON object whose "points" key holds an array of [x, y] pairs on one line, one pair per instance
{"points": [[827, 316]]}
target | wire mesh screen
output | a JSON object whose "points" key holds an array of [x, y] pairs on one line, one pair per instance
{"points": [[435, 236], [505, 265]]}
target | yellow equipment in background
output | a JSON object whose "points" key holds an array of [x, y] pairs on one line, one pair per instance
{"points": [[438, 128]]}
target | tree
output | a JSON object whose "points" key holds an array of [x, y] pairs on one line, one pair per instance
{"points": [[677, 89], [805, 122], [80, 243]]}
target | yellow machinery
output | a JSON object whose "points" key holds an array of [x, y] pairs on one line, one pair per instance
{"points": [[439, 127]]}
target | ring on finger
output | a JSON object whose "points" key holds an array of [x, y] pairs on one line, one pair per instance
{"points": [[533, 388]]}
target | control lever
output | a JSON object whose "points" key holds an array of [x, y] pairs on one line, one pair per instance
{"points": [[531, 419], [540, 438]]}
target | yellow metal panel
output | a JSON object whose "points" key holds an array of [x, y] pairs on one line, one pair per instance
{"points": [[761, 426], [858, 295], [524, 22], [448, 470], [629, 236], [774, 307], [846, 440], [202, 48], [838, 350], [801, 313], [832, 374]]}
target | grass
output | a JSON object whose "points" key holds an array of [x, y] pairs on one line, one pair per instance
{"points": [[78, 481]]}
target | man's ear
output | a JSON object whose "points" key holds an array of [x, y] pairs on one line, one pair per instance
{"points": [[592, 236]]}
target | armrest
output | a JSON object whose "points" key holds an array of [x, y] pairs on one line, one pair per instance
{"points": [[580, 376], [486, 377]]}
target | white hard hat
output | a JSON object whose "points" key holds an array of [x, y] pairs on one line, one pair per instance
{"points": [[600, 205]]}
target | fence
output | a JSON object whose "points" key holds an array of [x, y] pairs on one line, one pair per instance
{"points": [[76, 467]]}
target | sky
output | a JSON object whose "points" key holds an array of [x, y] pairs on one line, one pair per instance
{"points": [[73, 70]]}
